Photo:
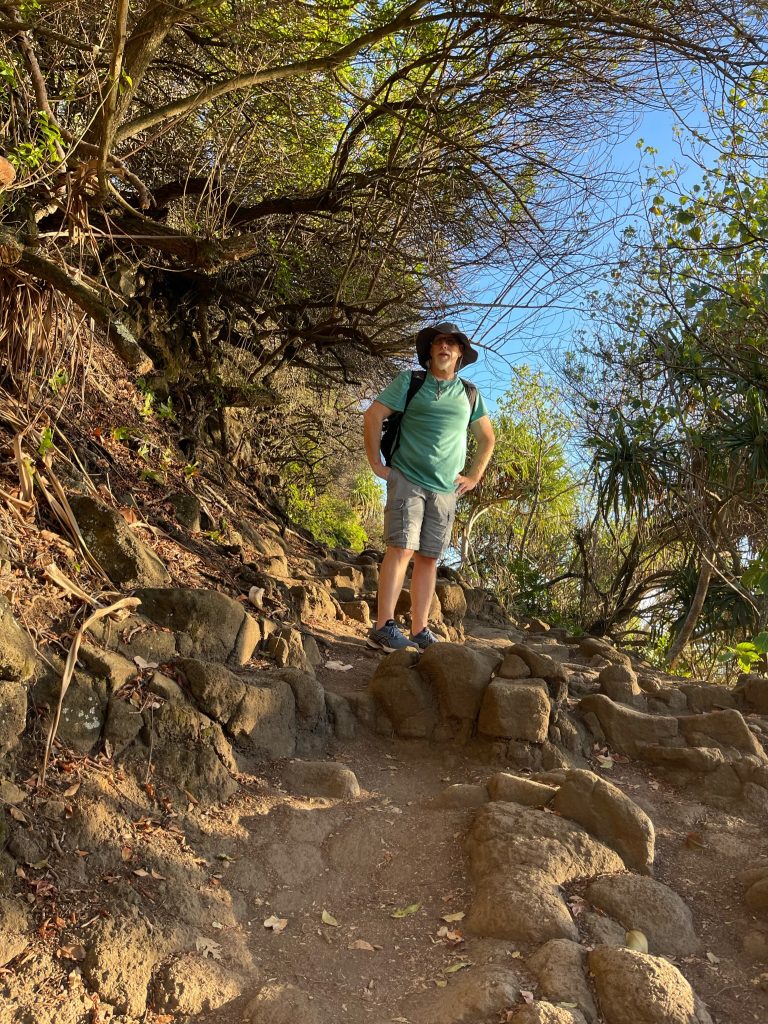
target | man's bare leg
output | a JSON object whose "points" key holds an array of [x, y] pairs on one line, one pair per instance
{"points": [[422, 591], [391, 578]]}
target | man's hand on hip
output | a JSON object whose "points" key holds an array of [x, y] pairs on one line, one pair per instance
{"points": [[382, 471], [465, 483]]}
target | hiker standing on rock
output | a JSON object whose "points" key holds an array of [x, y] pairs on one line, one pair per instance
{"points": [[425, 416]]}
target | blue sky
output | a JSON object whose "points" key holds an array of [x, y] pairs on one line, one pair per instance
{"points": [[531, 336]]}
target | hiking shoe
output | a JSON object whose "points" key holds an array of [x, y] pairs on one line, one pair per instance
{"points": [[389, 638], [425, 638]]}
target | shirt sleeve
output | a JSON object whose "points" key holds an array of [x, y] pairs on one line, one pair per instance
{"points": [[481, 409], [395, 393]]}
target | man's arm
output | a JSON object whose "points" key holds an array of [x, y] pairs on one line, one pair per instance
{"points": [[482, 431], [373, 418]]}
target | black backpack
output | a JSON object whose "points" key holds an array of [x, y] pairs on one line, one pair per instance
{"points": [[390, 428]]}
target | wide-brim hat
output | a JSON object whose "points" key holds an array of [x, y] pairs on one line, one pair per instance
{"points": [[427, 335]]}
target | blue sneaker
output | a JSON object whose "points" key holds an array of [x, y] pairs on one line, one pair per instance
{"points": [[425, 639], [389, 638]]}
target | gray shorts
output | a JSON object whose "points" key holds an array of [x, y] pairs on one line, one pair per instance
{"points": [[417, 519]]}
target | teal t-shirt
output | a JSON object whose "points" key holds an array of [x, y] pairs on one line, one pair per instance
{"points": [[433, 433]]}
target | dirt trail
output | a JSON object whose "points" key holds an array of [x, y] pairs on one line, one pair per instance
{"points": [[135, 857], [361, 861]]}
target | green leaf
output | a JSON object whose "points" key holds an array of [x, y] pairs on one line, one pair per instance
{"points": [[413, 908]]}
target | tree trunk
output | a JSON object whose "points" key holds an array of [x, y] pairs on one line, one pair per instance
{"points": [[682, 638]]}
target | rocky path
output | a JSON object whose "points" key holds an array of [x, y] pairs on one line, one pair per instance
{"points": [[519, 827], [401, 845]]}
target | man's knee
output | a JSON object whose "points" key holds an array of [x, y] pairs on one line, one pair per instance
{"points": [[398, 554]]}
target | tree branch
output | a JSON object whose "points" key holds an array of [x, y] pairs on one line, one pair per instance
{"points": [[405, 19]]}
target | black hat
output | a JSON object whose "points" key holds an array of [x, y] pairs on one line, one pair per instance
{"points": [[427, 335]]}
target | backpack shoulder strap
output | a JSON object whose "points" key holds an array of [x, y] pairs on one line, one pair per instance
{"points": [[417, 379], [471, 392]]}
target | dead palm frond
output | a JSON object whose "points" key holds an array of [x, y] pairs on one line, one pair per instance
{"points": [[43, 338]]}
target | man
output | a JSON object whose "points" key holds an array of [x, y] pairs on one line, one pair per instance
{"points": [[425, 478]]}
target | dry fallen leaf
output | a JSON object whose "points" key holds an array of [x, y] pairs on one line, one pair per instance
{"points": [[712, 958], [337, 666], [72, 951], [457, 967], [141, 873], [329, 919], [126, 853], [16, 814], [413, 908], [458, 916], [694, 841], [72, 789], [143, 664], [277, 924], [527, 997], [208, 947], [362, 944]]}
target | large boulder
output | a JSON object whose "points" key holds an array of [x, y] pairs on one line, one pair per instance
{"points": [[542, 1012], [120, 955], [519, 857], [312, 601], [309, 696], [18, 662], [265, 719], [650, 907], [116, 547], [726, 728], [209, 625], [513, 667], [122, 725], [321, 778], [753, 689], [702, 697], [453, 603], [192, 984], [515, 709], [542, 666], [606, 812], [560, 969], [458, 677], [593, 647], [15, 929], [626, 730], [517, 790], [18, 658], [470, 997], [643, 989], [13, 714], [289, 650], [83, 709], [191, 752], [216, 690], [692, 759], [619, 682], [404, 696]]}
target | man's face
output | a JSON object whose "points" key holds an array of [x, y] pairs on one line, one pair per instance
{"points": [[445, 352]]}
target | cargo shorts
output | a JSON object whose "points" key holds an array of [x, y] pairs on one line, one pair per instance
{"points": [[417, 519]]}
